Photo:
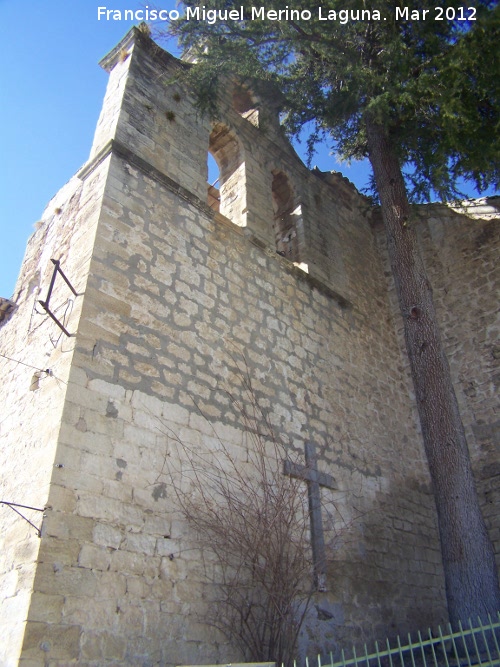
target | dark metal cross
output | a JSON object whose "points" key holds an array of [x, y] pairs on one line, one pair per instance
{"points": [[314, 479]]}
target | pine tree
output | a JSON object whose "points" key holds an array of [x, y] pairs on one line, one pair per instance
{"points": [[418, 94]]}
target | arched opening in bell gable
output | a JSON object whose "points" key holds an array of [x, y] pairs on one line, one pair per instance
{"points": [[287, 218], [226, 190], [213, 194], [245, 104]]}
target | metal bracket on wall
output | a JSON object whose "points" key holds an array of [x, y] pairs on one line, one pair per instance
{"points": [[26, 507], [45, 304]]}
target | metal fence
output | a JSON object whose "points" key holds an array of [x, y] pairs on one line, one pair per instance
{"points": [[469, 646], [475, 645]]}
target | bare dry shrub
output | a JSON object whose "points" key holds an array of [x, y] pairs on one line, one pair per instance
{"points": [[254, 521]]}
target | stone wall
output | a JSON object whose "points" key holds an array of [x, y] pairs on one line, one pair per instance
{"points": [[461, 248], [179, 304], [35, 361]]}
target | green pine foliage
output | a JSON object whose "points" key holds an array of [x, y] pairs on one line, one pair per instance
{"points": [[433, 83]]}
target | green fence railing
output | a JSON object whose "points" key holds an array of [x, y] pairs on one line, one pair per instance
{"points": [[475, 645]]}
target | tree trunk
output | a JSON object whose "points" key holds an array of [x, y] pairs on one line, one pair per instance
{"points": [[470, 571]]}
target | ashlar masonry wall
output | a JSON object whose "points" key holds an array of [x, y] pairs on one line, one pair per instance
{"points": [[35, 362], [461, 247], [176, 300]]}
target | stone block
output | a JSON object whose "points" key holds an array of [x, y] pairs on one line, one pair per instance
{"points": [[139, 543], [61, 499], [177, 414], [84, 611], [107, 535], [46, 608], [67, 526], [44, 642], [107, 389], [112, 585], [109, 510], [127, 562], [59, 579], [148, 404], [94, 557], [142, 436]]}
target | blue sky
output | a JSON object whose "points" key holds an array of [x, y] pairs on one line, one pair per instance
{"points": [[51, 91]]}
